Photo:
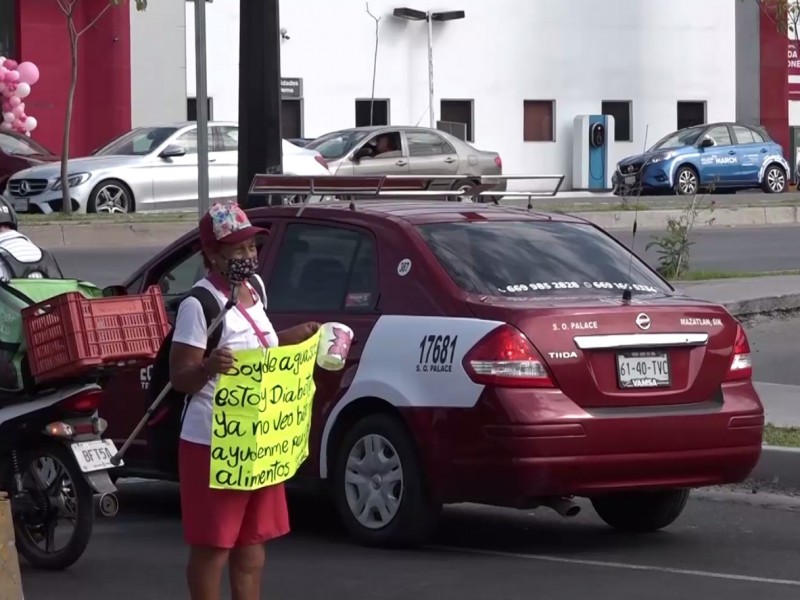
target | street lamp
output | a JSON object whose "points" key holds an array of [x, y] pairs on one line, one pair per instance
{"points": [[201, 100], [411, 14]]}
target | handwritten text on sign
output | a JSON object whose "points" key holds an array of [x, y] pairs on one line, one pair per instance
{"points": [[262, 416]]}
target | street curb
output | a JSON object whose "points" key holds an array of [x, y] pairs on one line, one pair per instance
{"points": [[763, 306], [98, 234], [778, 467]]}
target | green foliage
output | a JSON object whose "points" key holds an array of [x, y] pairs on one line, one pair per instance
{"points": [[140, 4], [784, 13], [675, 244]]}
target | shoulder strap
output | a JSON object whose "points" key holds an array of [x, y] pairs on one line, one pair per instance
{"points": [[211, 309], [258, 285]]}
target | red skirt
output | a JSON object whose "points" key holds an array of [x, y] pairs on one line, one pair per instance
{"points": [[226, 518]]}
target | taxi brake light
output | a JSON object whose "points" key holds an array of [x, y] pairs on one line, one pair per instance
{"points": [[506, 358], [741, 366]]}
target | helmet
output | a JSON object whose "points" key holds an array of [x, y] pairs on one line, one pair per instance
{"points": [[8, 216]]}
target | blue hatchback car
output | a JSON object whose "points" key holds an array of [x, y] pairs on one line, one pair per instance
{"points": [[725, 156]]}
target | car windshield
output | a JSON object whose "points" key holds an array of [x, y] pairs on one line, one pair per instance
{"points": [[21, 146], [537, 259], [138, 142], [679, 139], [338, 144]]}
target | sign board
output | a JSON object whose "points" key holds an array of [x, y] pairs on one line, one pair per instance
{"points": [[793, 57], [291, 87]]}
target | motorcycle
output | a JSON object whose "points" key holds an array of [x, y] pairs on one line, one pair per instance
{"points": [[54, 462]]}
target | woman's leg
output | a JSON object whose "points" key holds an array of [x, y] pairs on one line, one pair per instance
{"points": [[204, 572], [212, 520], [246, 566]]}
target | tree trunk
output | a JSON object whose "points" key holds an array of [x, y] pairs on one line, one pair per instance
{"points": [[66, 199]]}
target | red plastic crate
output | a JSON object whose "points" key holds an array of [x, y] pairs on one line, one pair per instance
{"points": [[70, 335]]}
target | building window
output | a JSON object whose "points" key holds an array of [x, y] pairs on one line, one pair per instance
{"points": [[691, 113], [622, 111], [291, 118], [458, 111], [8, 22], [380, 112], [538, 120], [191, 109]]}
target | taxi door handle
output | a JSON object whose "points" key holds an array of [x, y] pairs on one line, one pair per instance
{"points": [[731, 152], [401, 163]]}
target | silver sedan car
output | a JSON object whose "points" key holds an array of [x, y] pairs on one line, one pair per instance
{"points": [[148, 168], [398, 150]]}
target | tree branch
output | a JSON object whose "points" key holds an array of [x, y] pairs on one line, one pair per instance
{"points": [[94, 21], [65, 6], [374, 64]]}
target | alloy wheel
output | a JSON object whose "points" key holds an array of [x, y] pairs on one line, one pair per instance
{"points": [[775, 179], [112, 199], [687, 182]]}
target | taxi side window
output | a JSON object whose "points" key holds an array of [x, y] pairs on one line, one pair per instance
{"points": [[176, 282], [324, 269]]}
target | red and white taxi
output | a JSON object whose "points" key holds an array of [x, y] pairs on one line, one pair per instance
{"points": [[497, 359]]}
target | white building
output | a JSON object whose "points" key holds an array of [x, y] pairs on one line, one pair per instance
{"points": [[518, 76]]}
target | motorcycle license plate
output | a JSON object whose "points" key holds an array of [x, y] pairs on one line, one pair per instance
{"points": [[95, 455]]}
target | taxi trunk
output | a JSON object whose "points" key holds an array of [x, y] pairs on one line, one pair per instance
{"points": [[609, 353]]}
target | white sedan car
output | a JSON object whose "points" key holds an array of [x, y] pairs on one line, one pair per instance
{"points": [[146, 169]]}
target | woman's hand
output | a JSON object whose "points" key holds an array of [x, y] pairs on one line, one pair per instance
{"points": [[298, 333], [220, 360]]}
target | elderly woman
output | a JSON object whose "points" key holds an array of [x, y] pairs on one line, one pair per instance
{"points": [[224, 526]]}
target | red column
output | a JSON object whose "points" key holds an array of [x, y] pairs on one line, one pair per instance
{"points": [[774, 81], [102, 107]]}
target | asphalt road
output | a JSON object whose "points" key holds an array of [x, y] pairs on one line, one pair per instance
{"points": [[733, 547], [736, 249], [775, 345]]}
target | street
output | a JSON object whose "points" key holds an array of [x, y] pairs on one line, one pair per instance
{"points": [[732, 250], [733, 546]]}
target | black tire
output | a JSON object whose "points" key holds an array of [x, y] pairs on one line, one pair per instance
{"points": [[774, 181], [82, 531], [683, 176], [463, 185], [416, 515], [127, 201], [641, 512]]}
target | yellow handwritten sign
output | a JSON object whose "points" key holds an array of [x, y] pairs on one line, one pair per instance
{"points": [[262, 416]]}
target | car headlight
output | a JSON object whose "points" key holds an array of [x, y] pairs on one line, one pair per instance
{"points": [[72, 180], [661, 157]]}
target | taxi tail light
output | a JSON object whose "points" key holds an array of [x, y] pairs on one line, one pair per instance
{"points": [[506, 358], [741, 366], [498, 161]]}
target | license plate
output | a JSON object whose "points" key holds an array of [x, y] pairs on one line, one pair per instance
{"points": [[630, 179], [643, 370], [20, 204], [95, 455]]}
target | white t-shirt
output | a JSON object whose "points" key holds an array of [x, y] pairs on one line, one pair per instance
{"points": [[20, 247], [237, 334]]}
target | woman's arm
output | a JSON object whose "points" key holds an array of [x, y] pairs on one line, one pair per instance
{"points": [[187, 369], [297, 334]]}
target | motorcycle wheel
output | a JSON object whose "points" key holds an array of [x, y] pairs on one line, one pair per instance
{"points": [[56, 491]]}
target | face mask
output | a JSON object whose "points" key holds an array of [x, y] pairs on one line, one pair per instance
{"points": [[238, 270]]}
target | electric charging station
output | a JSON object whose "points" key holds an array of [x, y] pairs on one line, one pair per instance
{"points": [[592, 140]]}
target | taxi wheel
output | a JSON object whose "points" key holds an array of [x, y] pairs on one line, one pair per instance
{"points": [[774, 180], [379, 485], [641, 512]]}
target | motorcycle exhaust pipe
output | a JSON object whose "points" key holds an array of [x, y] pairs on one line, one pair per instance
{"points": [[564, 507], [108, 505]]}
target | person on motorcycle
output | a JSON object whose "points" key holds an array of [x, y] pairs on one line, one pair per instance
{"points": [[20, 258]]}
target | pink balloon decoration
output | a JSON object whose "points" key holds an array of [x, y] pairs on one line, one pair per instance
{"points": [[11, 89], [18, 111], [15, 101], [12, 76], [23, 90], [6, 106], [10, 64], [28, 73], [8, 117], [6, 126], [31, 123]]}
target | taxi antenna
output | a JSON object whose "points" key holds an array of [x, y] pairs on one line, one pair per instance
{"points": [[627, 293]]}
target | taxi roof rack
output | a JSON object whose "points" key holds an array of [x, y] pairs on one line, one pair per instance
{"points": [[397, 187]]}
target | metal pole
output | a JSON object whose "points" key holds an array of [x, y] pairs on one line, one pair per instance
{"points": [[201, 99], [431, 114], [260, 141]]}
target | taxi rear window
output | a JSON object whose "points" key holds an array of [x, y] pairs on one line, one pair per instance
{"points": [[536, 258]]}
